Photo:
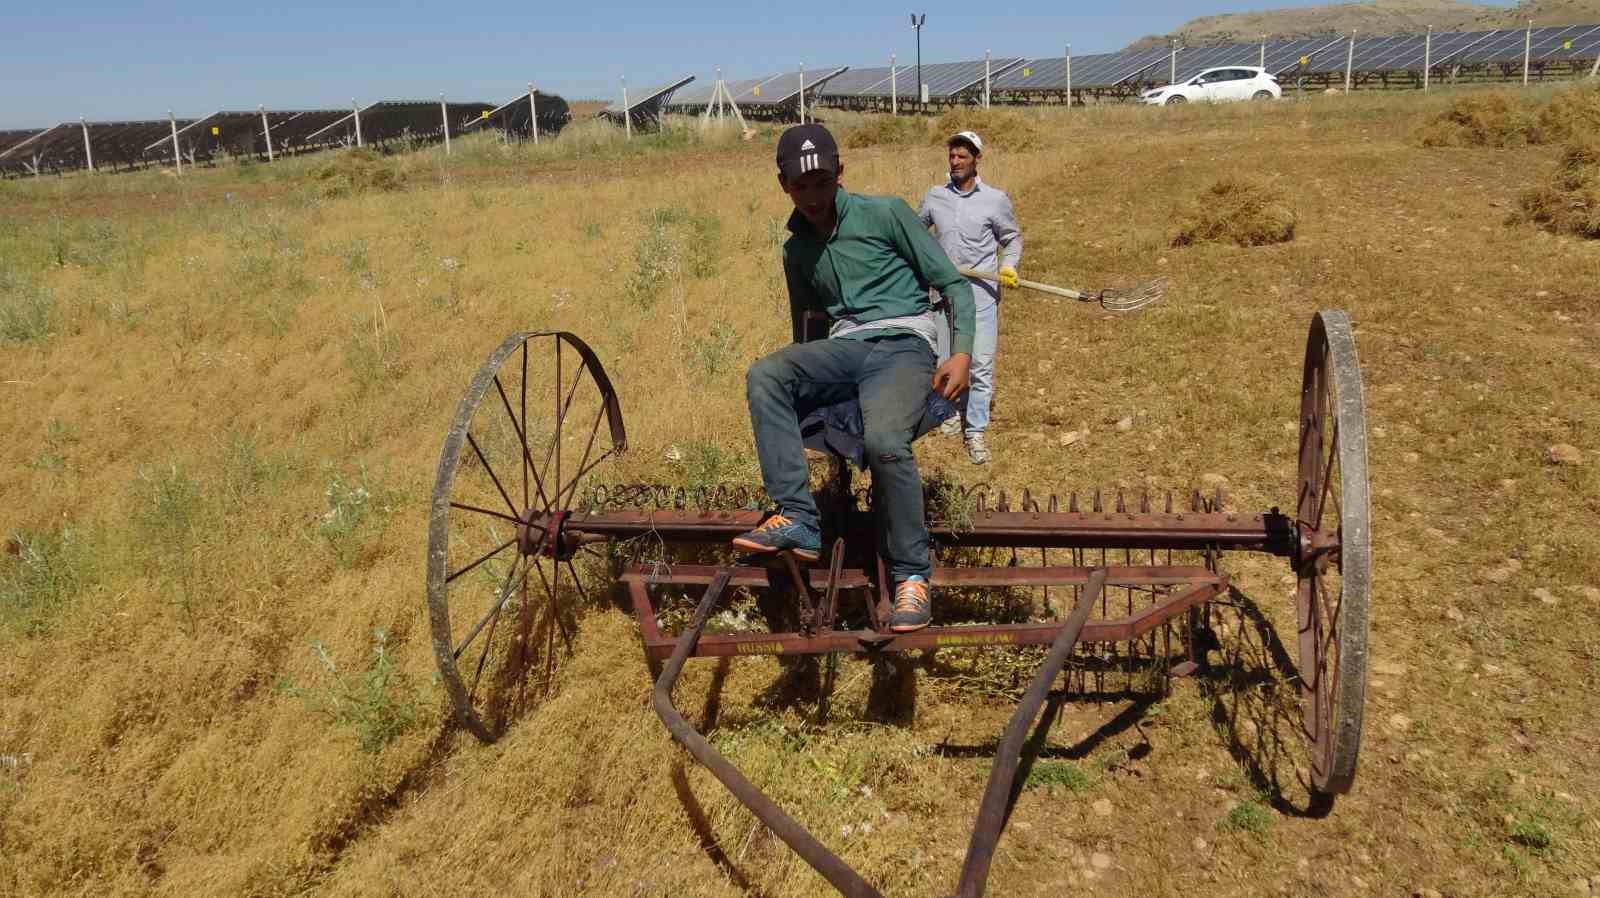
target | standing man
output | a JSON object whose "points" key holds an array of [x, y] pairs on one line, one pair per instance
{"points": [[972, 220], [867, 263]]}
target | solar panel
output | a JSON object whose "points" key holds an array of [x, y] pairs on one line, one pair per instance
{"points": [[946, 79], [1502, 46], [660, 95], [512, 115], [9, 139], [860, 81], [779, 90], [1367, 51], [1196, 61], [1576, 42], [296, 132], [1037, 74], [1287, 56]]}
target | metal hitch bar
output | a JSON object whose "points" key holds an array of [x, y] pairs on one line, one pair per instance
{"points": [[992, 810]]}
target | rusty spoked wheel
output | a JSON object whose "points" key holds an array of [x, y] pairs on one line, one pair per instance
{"points": [[1333, 565], [536, 422]]}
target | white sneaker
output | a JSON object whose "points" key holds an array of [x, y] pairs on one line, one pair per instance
{"points": [[977, 448], [951, 426]]}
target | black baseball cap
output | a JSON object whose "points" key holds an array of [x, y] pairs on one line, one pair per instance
{"points": [[807, 148]]}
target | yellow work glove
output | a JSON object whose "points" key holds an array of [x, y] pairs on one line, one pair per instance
{"points": [[1008, 277]]}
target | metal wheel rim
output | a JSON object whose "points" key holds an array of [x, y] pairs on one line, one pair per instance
{"points": [[1333, 640], [486, 393]]}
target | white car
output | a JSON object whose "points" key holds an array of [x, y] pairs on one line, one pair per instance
{"points": [[1217, 86]]}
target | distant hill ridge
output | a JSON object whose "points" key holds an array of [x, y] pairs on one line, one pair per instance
{"points": [[1374, 17]]}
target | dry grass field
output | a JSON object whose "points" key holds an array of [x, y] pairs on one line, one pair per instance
{"points": [[223, 397]]}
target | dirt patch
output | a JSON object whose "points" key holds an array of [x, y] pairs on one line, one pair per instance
{"points": [[1238, 211], [1570, 202]]}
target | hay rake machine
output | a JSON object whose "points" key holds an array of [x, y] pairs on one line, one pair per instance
{"points": [[520, 523]]}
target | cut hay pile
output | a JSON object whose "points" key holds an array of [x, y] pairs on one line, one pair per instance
{"points": [[1570, 202], [1502, 119], [355, 172], [1481, 120], [1002, 129], [1238, 211]]}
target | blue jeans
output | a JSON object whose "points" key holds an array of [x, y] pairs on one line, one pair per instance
{"points": [[974, 404], [891, 378]]}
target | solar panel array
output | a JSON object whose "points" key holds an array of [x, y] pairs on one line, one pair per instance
{"points": [[1322, 55], [945, 80], [125, 145]]}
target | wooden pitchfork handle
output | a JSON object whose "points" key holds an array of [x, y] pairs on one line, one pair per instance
{"points": [[1030, 285]]}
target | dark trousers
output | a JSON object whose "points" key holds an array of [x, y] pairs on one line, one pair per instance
{"points": [[891, 377]]}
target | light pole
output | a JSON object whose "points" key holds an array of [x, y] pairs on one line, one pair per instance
{"points": [[916, 25]]}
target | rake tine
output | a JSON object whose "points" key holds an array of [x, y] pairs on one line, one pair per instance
{"points": [[1135, 299]]}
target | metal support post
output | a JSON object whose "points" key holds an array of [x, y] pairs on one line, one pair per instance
{"points": [[1349, 61], [1595, 69], [916, 25], [1069, 76], [357, 110], [1527, 51], [1263, 63], [177, 156], [444, 119], [894, 87], [533, 114], [1172, 76], [802, 93], [266, 130], [88, 152], [627, 116], [1427, 59]]}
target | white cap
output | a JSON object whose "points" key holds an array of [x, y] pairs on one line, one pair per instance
{"points": [[970, 137]]}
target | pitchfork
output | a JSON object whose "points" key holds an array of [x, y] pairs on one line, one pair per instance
{"points": [[1111, 300]]}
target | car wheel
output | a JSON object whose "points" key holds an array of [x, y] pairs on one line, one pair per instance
{"points": [[1262, 95], [1175, 99]]}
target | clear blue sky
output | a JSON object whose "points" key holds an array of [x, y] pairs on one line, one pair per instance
{"points": [[129, 60]]}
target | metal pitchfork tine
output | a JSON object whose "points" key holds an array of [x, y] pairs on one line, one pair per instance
{"points": [[1111, 300]]}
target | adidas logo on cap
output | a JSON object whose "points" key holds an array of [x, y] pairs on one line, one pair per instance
{"points": [[808, 145]]}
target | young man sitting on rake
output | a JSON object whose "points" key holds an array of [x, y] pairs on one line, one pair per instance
{"points": [[867, 263]]}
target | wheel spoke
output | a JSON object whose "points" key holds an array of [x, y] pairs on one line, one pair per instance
{"points": [[561, 413], [578, 478], [493, 514], [522, 440], [1327, 473], [523, 387], [491, 553], [561, 416], [555, 602], [573, 572], [587, 448], [492, 476], [501, 595]]}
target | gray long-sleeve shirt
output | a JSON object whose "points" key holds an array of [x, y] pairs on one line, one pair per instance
{"points": [[970, 227]]}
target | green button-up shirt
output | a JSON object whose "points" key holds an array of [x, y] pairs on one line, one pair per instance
{"points": [[876, 265]]}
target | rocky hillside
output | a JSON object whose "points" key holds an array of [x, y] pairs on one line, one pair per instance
{"points": [[1375, 17]]}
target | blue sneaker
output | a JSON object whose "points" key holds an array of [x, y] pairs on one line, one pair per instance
{"points": [[913, 607], [779, 534]]}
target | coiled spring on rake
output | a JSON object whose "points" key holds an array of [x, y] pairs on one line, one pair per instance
{"points": [[665, 496], [976, 497]]}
